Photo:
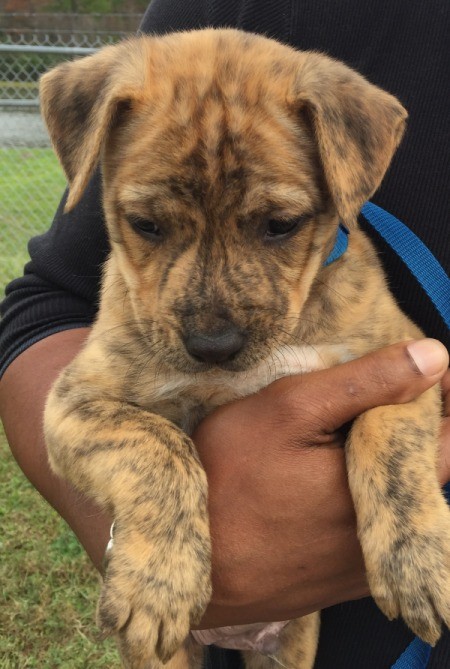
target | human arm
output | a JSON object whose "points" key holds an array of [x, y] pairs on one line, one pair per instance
{"points": [[284, 539], [23, 391]]}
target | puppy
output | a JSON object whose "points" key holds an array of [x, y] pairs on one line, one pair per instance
{"points": [[228, 162]]}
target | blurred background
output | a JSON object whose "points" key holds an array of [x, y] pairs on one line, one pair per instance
{"points": [[35, 35]]}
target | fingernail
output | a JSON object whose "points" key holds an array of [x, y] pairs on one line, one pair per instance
{"points": [[429, 356]]}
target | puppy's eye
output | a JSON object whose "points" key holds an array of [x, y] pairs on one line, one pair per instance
{"points": [[279, 228], [146, 228]]}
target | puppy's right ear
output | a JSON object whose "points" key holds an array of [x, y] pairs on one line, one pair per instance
{"points": [[357, 127], [81, 99]]}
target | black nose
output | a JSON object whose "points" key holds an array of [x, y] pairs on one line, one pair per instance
{"points": [[215, 347]]}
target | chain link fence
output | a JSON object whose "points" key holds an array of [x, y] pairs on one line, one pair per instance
{"points": [[31, 180]]}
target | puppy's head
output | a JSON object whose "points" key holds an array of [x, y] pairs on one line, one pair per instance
{"points": [[228, 161]]}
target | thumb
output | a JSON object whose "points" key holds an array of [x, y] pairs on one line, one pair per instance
{"points": [[392, 375]]}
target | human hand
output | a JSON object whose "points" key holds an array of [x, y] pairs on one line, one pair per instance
{"points": [[282, 520]]}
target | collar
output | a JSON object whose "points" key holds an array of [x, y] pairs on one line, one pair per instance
{"points": [[340, 245]]}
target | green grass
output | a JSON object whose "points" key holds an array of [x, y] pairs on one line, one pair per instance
{"points": [[49, 588], [31, 184]]}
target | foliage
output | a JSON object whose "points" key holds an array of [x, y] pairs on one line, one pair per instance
{"points": [[96, 6], [27, 66]]}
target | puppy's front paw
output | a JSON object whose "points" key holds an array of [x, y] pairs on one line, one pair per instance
{"points": [[154, 590], [412, 577]]}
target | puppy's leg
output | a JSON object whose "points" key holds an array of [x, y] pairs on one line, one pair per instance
{"points": [[298, 647], [146, 472], [403, 519]]}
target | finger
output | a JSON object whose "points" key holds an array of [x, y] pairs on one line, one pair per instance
{"points": [[393, 375], [445, 383], [444, 460]]}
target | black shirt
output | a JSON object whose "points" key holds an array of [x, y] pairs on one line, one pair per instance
{"points": [[402, 46]]}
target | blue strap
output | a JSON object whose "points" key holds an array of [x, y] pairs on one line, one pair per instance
{"points": [[416, 256], [416, 656], [340, 245], [436, 283]]}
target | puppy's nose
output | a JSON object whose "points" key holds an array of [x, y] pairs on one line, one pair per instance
{"points": [[215, 347]]}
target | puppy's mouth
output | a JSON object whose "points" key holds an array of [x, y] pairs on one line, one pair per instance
{"points": [[238, 351], [223, 349], [229, 347]]}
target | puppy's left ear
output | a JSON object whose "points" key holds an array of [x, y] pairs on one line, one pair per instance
{"points": [[80, 101], [357, 127]]}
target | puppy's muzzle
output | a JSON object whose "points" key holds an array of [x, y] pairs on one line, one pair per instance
{"points": [[215, 347]]}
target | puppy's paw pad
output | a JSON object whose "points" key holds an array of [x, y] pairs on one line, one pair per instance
{"points": [[113, 611], [151, 600], [414, 582], [145, 644]]}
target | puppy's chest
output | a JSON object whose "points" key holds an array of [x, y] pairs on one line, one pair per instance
{"points": [[187, 399]]}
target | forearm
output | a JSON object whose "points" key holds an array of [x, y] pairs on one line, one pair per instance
{"points": [[23, 391]]}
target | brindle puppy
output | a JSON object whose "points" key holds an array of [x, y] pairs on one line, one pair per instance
{"points": [[228, 161]]}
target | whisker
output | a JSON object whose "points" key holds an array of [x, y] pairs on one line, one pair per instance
{"points": [[277, 661]]}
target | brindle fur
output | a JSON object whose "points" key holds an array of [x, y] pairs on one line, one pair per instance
{"points": [[210, 134]]}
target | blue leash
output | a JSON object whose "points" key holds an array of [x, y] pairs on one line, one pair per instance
{"points": [[436, 283], [416, 256], [340, 245]]}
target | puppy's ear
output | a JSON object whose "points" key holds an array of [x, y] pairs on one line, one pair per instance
{"points": [[357, 128], [80, 100]]}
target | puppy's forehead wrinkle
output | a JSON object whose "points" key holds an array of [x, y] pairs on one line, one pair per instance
{"points": [[175, 197], [208, 77], [217, 152], [225, 145]]}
